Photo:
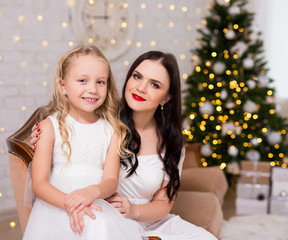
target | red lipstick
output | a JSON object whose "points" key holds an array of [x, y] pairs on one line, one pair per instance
{"points": [[138, 98]]}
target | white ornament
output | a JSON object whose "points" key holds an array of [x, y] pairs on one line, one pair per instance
{"points": [[278, 108], [241, 47], [219, 67], [270, 99], [251, 84], [213, 44], [223, 94], [238, 130], [263, 81], [206, 150], [230, 34], [248, 63], [206, 108], [233, 168], [254, 142], [250, 107], [253, 36], [200, 87], [234, 10], [230, 105], [274, 138], [253, 155], [228, 126], [187, 123], [233, 151]]}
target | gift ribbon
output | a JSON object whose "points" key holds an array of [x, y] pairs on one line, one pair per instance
{"points": [[255, 174]]}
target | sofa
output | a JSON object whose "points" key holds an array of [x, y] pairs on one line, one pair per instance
{"points": [[199, 199]]}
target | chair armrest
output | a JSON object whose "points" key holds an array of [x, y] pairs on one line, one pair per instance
{"points": [[209, 179]]}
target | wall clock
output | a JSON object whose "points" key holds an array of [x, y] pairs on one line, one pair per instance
{"points": [[109, 24]]}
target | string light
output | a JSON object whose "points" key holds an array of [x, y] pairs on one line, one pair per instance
{"points": [[184, 9], [172, 7], [40, 18], [171, 24], [185, 76]]}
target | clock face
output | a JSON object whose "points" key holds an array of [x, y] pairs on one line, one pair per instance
{"points": [[109, 24]]}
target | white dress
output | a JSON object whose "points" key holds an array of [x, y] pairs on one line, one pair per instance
{"points": [[89, 145], [140, 188]]}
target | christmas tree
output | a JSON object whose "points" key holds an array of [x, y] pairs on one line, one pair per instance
{"points": [[229, 101]]}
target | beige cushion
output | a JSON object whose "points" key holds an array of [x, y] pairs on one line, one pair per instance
{"points": [[200, 208], [209, 179]]}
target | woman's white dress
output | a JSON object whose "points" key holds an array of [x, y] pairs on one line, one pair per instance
{"points": [[140, 188], [89, 145]]}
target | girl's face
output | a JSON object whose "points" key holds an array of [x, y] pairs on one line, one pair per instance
{"points": [[147, 87], [86, 84]]}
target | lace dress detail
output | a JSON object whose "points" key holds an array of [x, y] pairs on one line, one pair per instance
{"points": [[89, 144]]}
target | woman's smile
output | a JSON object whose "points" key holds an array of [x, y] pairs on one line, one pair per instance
{"points": [[138, 98]]}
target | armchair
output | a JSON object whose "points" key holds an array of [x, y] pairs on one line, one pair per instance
{"points": [[199, 199], [201, 193]]}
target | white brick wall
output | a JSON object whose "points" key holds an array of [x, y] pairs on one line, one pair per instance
{"points": [[23, 56]]}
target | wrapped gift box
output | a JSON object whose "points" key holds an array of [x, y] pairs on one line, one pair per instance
{"points": [[251, 206], [279, 205], [255, 172], [252, 191], [279, 182]]}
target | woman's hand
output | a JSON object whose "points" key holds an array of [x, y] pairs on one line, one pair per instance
{"points": [[122, 204], [35, 135], [78, 200], [77, 219]]}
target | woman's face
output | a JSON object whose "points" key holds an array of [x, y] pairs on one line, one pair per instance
{"points": [[147, 87]]}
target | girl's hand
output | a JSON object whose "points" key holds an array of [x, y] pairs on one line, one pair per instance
{"points": [[35, 135], [122, 204], [77, 219], [78, 200]]}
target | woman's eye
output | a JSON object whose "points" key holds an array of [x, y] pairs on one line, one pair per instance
{"points": [[136, 76], [155, 85]]}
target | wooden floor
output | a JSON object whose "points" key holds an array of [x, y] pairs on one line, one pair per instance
{"points": [[8, 233]]}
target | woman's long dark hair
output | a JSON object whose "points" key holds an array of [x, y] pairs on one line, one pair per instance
{"points": [[169, 128]]}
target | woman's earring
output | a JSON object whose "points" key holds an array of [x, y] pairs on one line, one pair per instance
{"points": [[162, 113], [64, 92]]}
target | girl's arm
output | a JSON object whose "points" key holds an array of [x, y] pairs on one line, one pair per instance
{"points": [[41, 166], [157, 209], [84, 197]]}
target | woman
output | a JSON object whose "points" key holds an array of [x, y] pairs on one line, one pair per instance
{"points": [[148, 183]]}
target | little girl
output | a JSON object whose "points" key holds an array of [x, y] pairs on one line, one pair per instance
{"points": [[77, 159]]}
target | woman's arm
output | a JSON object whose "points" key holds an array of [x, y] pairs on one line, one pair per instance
{"points": [[157, 209], [84, 197], [41, 166]]}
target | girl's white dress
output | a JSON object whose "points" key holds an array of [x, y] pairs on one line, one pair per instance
{"points": [[140, 188], [89, 144]]}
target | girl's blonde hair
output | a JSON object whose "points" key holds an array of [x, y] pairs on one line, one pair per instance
{"points": [[109, 110]]}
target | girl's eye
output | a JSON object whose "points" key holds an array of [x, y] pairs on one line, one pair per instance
{"points": [[82, 80], [136, 76], [101, 82]]}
